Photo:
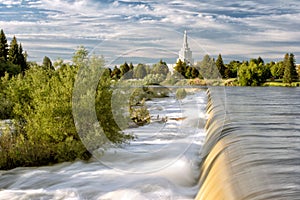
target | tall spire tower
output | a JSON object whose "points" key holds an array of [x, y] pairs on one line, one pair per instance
{"points": [[185, 54]]}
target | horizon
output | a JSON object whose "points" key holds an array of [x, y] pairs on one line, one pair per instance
{"points": [[237, 30]]}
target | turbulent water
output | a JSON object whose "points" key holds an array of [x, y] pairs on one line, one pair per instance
{"points": [[162, 163], [253, 148], [250, 150]]}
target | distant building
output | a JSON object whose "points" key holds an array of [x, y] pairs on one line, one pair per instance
{"points": [[185, 54]]}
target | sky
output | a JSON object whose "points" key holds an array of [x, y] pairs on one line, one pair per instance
{"points": [[150, 30]]}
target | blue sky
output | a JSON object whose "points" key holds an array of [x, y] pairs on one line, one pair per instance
{"points": [[153, 29]]}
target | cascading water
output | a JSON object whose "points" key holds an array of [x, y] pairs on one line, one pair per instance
{"points": [[255, 153], [162, 163]]}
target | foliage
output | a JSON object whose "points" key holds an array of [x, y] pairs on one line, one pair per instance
{"points": [[220, 65], [47, 64], [3, 46], [231, 69], [154, 79], [140, 71], [290, 73], [160, 68], [253, 73], [12, 59], [207, 68], [180, 67], [41, 106]]}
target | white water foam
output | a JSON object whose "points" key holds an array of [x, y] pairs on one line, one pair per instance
{"points": [[160, 165]]}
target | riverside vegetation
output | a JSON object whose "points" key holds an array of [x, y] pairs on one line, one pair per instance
{"points": [[38, 98]]}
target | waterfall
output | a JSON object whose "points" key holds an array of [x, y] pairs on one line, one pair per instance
{"points": [[252, 145]]}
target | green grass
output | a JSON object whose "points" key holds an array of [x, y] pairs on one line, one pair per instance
{"points": [[280, 84]]}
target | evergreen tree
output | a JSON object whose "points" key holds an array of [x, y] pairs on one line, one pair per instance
{"points": [[116, 73], [220, 65], [21, 59], [3, 46], [124, 68], [289, 68], [293, 67], [13, 51]]}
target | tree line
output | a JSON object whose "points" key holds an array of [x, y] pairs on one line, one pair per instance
{"points": [[12, 57], [248, 73]]}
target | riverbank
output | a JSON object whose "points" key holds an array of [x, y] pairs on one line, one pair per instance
{"points": [[234, 82]]}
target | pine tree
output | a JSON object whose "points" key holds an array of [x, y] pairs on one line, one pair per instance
{"points": [[220, 65], [289, 68], [13, 51], [293, 67], [3, 46], [21, 59]]}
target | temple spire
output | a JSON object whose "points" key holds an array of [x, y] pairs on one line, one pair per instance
{"points": [[185, 43], [185, 54]]}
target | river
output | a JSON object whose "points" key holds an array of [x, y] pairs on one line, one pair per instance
{"points": [[162, 163], [250, 151]]}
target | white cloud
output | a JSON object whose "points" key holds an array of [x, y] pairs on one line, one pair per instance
{"points": [[235, 28]]}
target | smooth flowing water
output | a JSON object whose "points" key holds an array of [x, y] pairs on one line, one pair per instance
{"points": [[162, 163], [254, 154]]}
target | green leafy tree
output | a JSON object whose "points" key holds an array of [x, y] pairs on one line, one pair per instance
{"points": [[252, 74], [232, 68], [220, 65], [180, 67], [276, 69], [160, 68], [207, 68], [140, 71], [47, 64], [80, 56], [3, 46]]}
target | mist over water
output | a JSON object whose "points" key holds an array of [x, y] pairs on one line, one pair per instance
{"points": [[162, 163]]}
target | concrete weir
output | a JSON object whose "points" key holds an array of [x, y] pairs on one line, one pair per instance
{"points": [[251, 150]]}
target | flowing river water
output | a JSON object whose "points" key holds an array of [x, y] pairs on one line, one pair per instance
{"points": [[250, 150], [162, 163]]}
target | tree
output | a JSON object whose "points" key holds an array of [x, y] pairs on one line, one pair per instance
{"points": [[208, 69], [80, 56], [47, 64], [252, 74], [13, 51], [22, 59], [232, 68], [124, 68], [140, 71], [290, 73], [116, 73], [180, 67], [220, 65], [277, 69], [3, 46], [160, 68]]}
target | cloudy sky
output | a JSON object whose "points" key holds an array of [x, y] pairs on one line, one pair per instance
{"points": [[153, 29]]}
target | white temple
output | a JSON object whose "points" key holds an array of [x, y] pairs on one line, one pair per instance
{"points": [[185, 54]]}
